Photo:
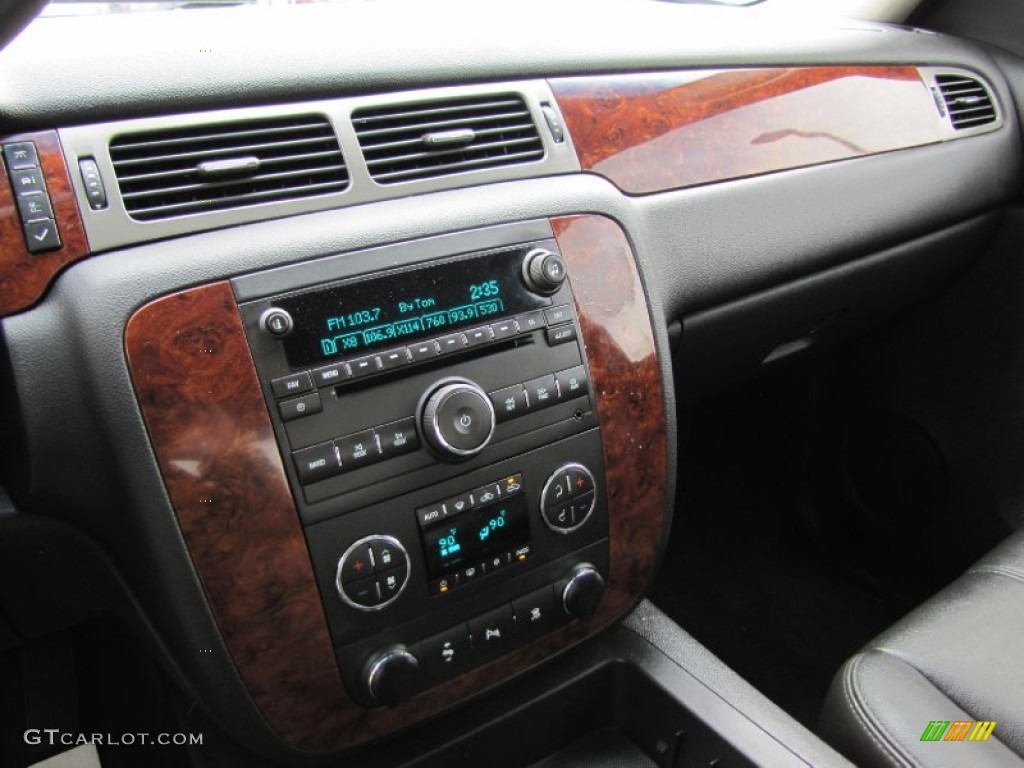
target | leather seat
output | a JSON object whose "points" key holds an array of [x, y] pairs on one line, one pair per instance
{"points": [[959, 657]]}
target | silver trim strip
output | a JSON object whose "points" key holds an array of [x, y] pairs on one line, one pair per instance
{"points": [[112, 227], [338, 583]]}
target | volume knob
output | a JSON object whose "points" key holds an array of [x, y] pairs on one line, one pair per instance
{"points": [[543, 270], [458, 420]]}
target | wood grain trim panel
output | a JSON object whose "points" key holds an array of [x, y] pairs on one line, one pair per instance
{"points": [[203, 406], [654, 132], [24, 276]]}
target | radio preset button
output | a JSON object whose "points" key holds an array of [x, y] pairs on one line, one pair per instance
{"points": [[300, 406], [398, 438], [561, 334], [358, 450], [506, 329], [477, 336], [425, 350], [540, 392], [317, 463], [452, 343], [364, 366], [296, 384], [329, 375], [558, 315], [394, 358]]}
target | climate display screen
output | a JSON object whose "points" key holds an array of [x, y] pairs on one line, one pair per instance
{"points": [[400, 307], [475, 535]]}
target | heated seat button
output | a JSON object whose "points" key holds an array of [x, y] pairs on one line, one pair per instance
{"points": [[492, 632], [317, 463], [536, 612], [446, 654]]}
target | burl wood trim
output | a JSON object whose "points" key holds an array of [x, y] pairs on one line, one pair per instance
{"points": [[654, 132], [208, 422], [24, 276], [616, 325], [201, 399]]}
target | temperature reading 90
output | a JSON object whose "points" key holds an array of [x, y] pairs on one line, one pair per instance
{"points": [[494, 524]]}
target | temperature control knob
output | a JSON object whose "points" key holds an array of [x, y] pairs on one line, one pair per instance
{"points": [[457, 419], [582, 593], [392, 676], [543, 271]]}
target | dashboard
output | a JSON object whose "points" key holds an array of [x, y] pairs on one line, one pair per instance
{"points": [[362, 373]]}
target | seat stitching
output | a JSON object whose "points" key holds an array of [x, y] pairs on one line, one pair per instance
{"points": [[875, 731]]}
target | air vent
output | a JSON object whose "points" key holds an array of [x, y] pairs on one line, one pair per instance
{"points": [[214, 166], [967, 101], [407, 142]]}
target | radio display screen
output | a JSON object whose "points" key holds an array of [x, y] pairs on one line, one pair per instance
{"points": [[474, 536], [359, 316]]}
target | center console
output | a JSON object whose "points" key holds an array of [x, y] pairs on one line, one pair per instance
{"points": [[408, 473], [433, 406]]}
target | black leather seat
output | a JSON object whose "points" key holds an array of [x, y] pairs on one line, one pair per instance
{"points": [[957, 658]]}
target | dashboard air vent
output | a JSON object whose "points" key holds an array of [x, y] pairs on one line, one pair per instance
{"points": [[209, 167], [968, 103], [406, 142]]}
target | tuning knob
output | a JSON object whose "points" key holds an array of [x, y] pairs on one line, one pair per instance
{"points": [[392, 676], [543, 271], [457, 420], [582, 593]]}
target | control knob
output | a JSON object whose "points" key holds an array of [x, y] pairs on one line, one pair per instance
{"points": [[392, 676], [543, 270], [582, 593], [457, 419]]}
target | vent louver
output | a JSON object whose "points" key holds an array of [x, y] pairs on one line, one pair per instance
{"points": [[210, 167], [407, 142], [968, 102]]}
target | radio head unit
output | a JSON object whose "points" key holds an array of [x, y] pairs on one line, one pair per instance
{"points": [[433, 405]]}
